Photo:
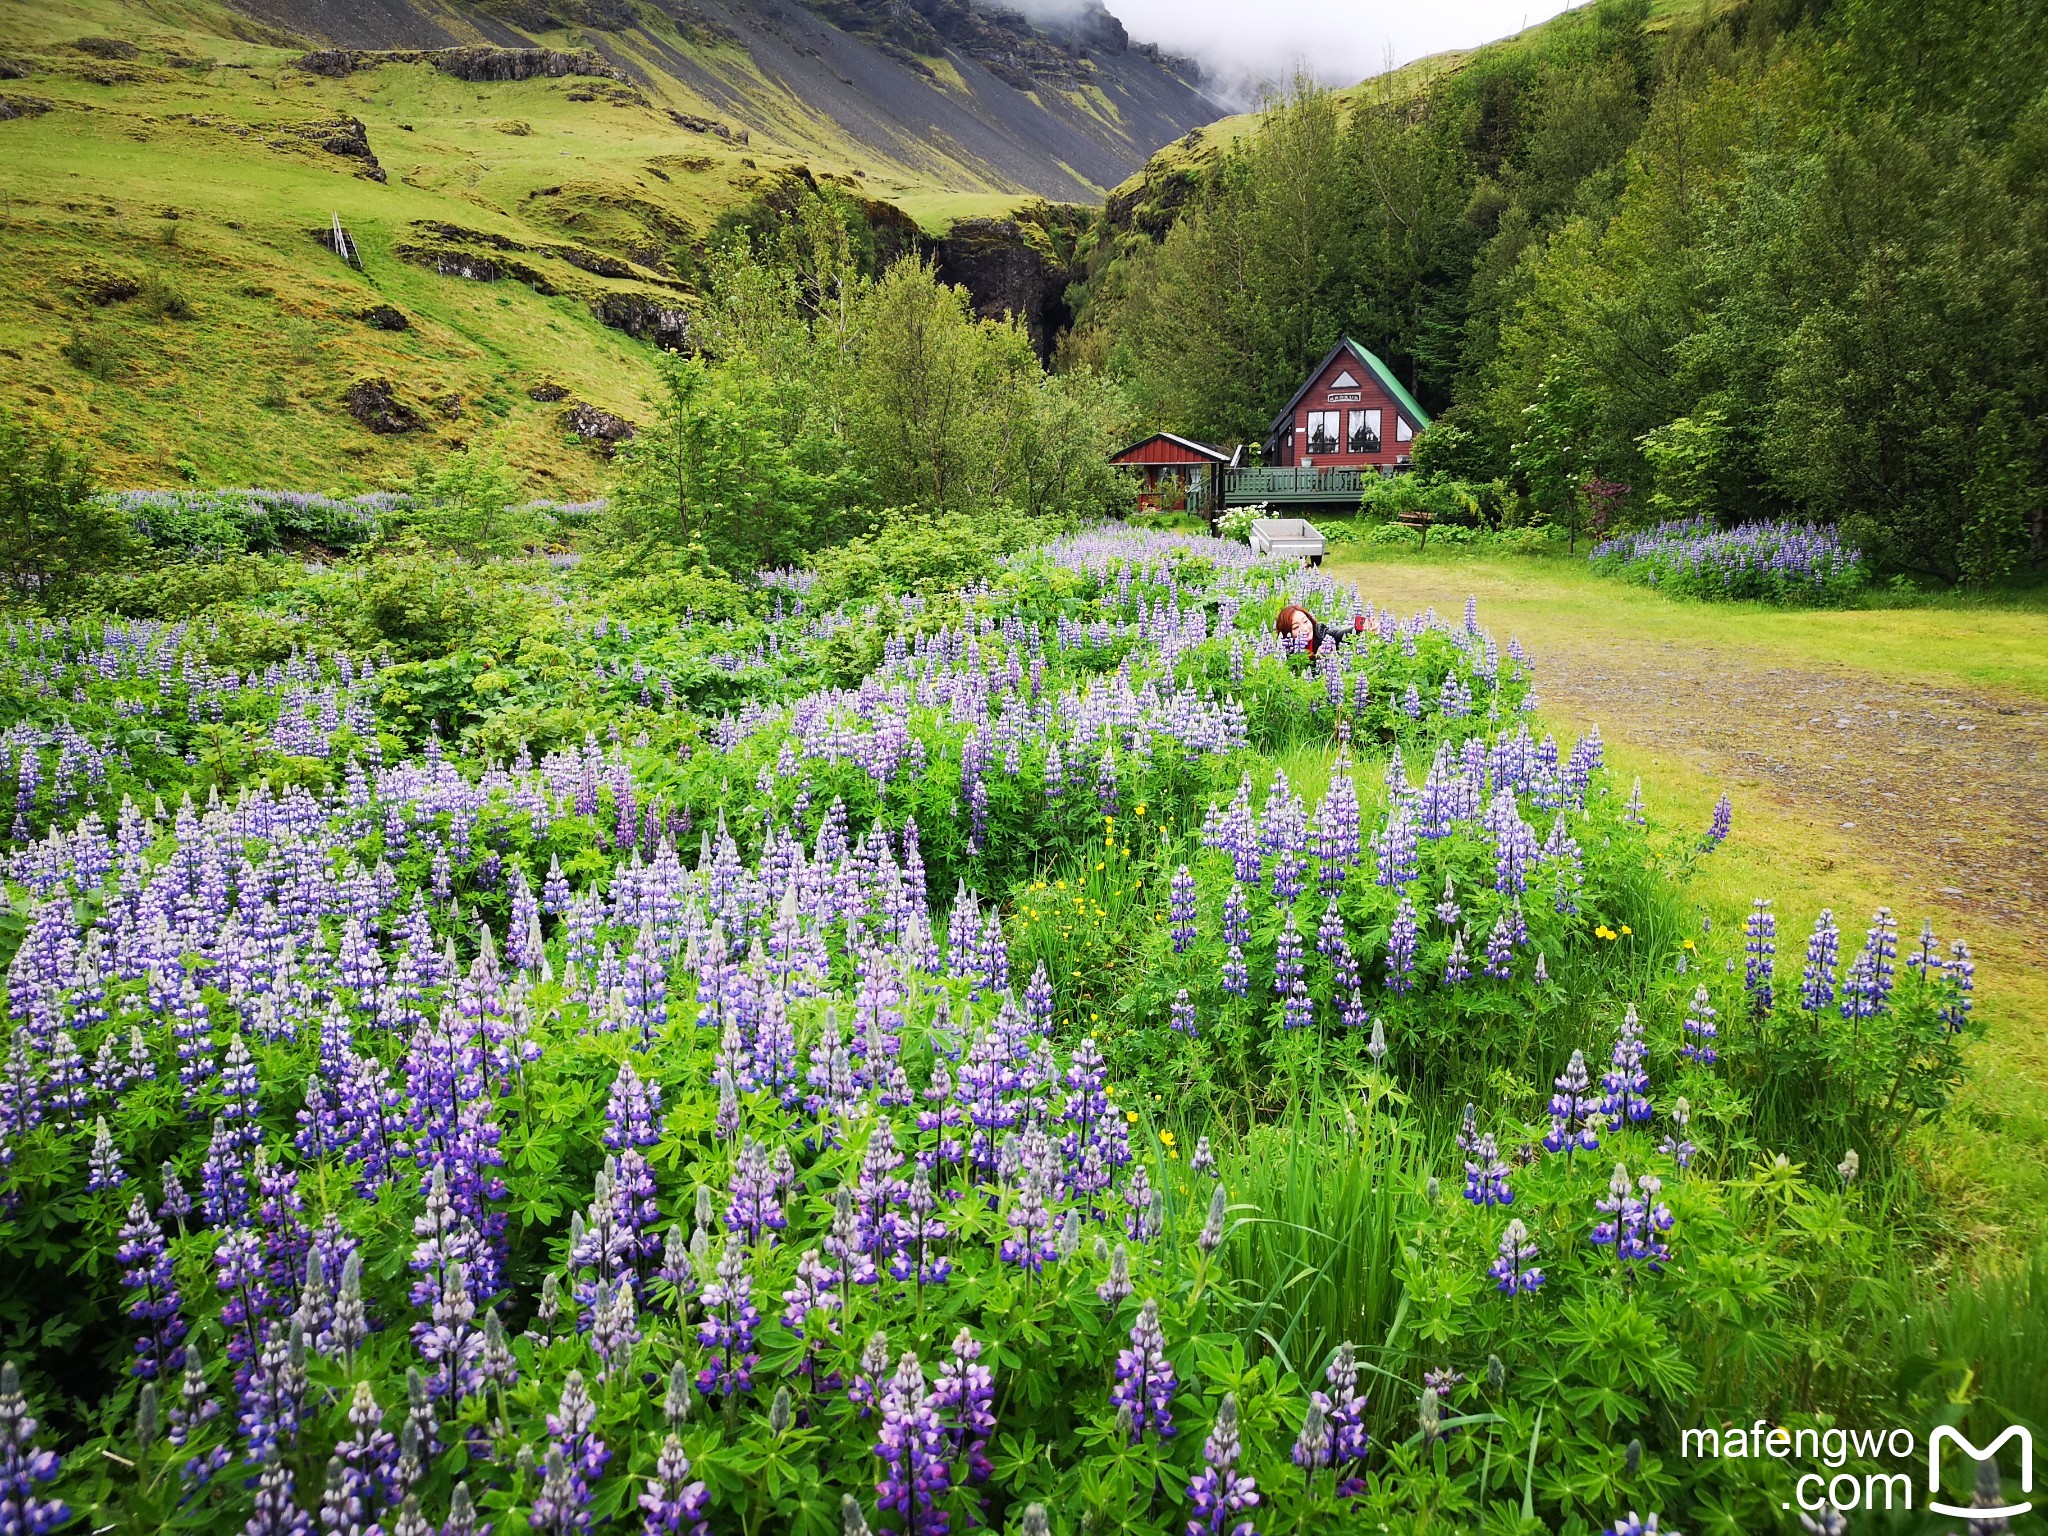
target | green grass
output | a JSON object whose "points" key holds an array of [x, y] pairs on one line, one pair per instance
{"points": [[1990, 1180], [1995, 644], [247, 388]]}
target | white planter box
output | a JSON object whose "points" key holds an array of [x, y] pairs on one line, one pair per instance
{"points": [[1287, 538]]}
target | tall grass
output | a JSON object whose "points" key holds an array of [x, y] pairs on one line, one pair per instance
{"points": [[1319, 1205]]}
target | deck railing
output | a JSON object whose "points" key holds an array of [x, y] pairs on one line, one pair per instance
{"points": [[1268, 483]]}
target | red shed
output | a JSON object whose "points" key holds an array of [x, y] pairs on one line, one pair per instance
{"points": [[1175, 473], [1352, 413]]}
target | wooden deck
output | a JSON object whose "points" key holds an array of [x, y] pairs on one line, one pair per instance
{"points": [[1324, 487]]}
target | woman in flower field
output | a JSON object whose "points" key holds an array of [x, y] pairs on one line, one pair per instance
{"points": [[765, 1110], [1305, 634]]}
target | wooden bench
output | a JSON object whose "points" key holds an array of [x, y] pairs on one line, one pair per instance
{"points": [[1421, 521]]}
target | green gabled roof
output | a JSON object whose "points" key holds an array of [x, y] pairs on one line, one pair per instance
{"points": [[1380, 371]]}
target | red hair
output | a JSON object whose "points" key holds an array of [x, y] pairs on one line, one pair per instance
{"points": [[1285, 623]]}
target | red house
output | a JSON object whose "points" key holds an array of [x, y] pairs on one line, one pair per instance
{"points": [[1175, 474], [1351, 414]]}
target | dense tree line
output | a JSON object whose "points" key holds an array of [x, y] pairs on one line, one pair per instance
{"points": [[1783, 256]]}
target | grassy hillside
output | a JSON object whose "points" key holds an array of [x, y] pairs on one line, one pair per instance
{"points": [[171, 170]]}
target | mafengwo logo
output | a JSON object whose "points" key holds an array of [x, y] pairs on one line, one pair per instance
{"points": [[1945, 1434]]}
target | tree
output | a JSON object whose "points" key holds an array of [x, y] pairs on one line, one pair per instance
{"points": [[470, 505], [713, 479], [54, 524], [924, 379], [1687, 457]]}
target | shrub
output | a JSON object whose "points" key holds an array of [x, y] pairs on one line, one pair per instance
{"points": [[54, 528], [161, 299], [91, 352]]}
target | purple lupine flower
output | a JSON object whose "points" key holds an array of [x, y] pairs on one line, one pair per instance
{"points": [[1632, 812], [754, 1212], [1515, 1271], [103, 1167], [147, 1271], [1823, 949], [1625, 1082], [367, 1458], [1237, 925], [1447, 910], [1145, 1381], [223, 1179], [912, 1447], [1182, 902], [177, 1204], [674, 1505], [24, 1466], [1345, 1405], [1457, 968], [1962, 981], [241, 1280], [918, 1229], [1183, 1014], [1500, 951], [1701, 1030], [1219, 1492], [727, 1329], [1636, 1220], [1633, 1524], [1724, 820], [1573, 1110], [443, 1258], [1030, 1215], [1312, 1445], [273, 1393], [633, 1112], [1401, 949], [1287, 954], [1117, 1286], [1236, 977], [1486, 1176], [576, 1459], [276, 1511], [963, 1395], [614, 1327], [1676, 1145], [1760, 931], [1396, 850]]}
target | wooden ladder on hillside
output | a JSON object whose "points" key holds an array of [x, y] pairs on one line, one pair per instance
{"points": [[340, 243]]}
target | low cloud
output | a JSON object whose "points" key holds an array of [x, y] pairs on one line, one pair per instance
{"points": [[1336, 42]]}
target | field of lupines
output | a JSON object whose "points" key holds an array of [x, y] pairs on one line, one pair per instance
{"points": [[1038, 1057], [1770, 560]]}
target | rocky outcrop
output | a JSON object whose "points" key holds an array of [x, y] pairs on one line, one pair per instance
{"points": [[347, 136], [697, 124], [596, 426], [12, 107], [1006, 275], [546, 392], [107, 48], [473, 64], [375, 403], [644, 316], [382, 317]]}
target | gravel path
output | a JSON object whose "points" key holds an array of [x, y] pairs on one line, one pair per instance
{"points": [[1944, 787], [1947, 789]]}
